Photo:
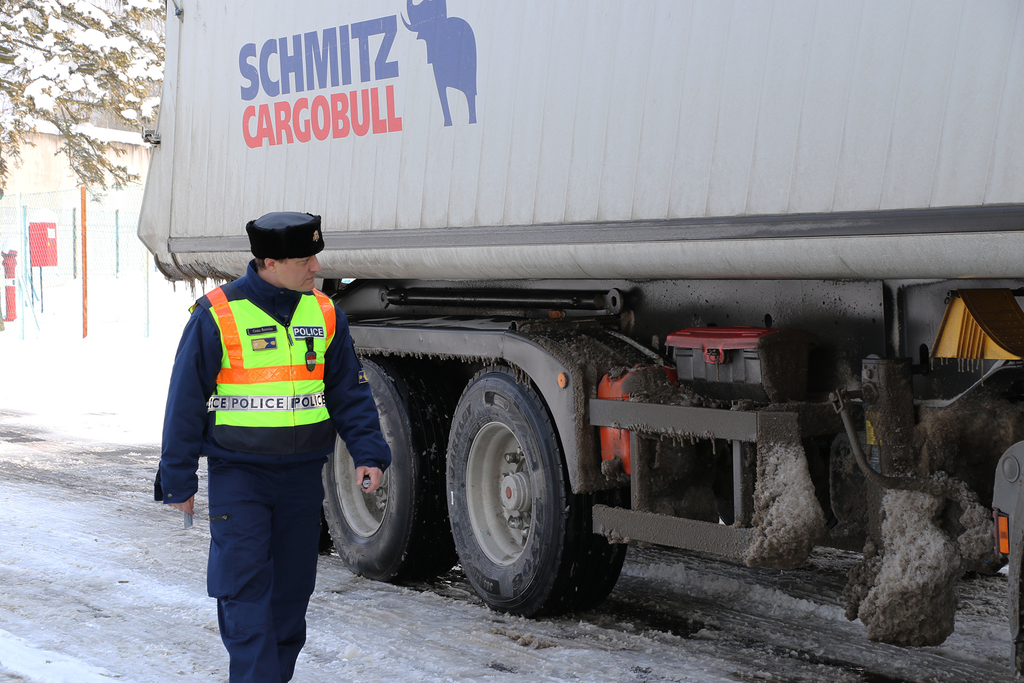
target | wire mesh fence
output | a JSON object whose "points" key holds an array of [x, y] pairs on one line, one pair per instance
{"points": [[63, 279]]}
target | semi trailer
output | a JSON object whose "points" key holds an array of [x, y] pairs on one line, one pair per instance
{"points": [[736, 278]]}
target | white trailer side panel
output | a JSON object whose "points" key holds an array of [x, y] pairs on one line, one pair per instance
{"points": [[613, 138]]}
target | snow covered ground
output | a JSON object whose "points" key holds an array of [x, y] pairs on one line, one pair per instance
{"points": [[98, 582]]}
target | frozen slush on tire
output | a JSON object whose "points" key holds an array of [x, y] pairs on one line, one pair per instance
{"points": [[401, 530], [524, 539]]}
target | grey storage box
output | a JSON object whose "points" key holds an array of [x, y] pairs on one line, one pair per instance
{"points": [[736, 363]]}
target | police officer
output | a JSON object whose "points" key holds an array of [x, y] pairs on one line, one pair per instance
{"points": [[264, 378]]}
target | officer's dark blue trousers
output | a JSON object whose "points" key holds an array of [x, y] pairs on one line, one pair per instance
{"points": [[265, 531]]}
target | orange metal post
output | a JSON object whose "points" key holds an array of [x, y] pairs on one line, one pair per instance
{"points": [[85, 274]]}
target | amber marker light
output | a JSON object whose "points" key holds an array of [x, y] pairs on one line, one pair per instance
{"points": [[1002, 532]]}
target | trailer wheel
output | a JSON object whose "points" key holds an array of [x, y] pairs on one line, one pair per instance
{"points": [[524, 540], [401, 530]]}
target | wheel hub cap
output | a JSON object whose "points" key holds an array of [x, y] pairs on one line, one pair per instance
{"points": [[515, 492]]}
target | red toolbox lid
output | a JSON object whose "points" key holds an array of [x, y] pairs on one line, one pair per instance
{"points": [[737, 337], [713, 340]]}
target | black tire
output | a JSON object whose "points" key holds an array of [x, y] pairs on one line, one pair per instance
{"points": [[505, 463], [401, 531]]}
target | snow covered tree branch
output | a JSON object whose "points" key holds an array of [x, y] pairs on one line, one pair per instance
{"points": [[64, 61]]}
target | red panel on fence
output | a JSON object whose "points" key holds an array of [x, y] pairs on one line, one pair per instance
{"points": [[42, 243]]}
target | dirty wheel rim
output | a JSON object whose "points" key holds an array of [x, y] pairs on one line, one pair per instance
{"points": [[364, 511], [499, 494]]}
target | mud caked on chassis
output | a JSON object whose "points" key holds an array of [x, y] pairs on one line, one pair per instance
{"points": [[741, 279]]}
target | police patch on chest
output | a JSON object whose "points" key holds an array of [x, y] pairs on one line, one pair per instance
{"points": [[252, 331], [264, 343], [308, 331]]}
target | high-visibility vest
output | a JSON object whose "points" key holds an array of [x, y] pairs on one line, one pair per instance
{"points": [[270, 388]]}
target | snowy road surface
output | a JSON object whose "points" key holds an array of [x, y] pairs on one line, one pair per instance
{"points": [[97, 582]]}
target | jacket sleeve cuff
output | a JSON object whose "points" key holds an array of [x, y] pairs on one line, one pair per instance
{"points": [[382, 465], [172, 489]]}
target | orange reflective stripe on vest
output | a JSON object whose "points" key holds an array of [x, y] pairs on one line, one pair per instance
{"points": [[327, 306], [228, 328], [277, 373]]}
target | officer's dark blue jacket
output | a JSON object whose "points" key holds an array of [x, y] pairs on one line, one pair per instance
{"points": [[194, 379]]}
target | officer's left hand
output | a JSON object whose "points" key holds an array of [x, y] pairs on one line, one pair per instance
{"points": [[375, 475], [188, 506]]}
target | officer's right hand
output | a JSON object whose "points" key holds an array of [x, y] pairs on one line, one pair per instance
{"points": [[188, 506], [374, 473]]}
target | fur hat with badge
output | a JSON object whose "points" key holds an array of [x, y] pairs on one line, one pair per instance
{"points": [[285, 234]]}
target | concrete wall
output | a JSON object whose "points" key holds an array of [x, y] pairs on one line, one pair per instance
{"points": [[44, 169]]}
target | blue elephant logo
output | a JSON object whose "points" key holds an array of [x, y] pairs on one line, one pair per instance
{"points": [[451, 49]]}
